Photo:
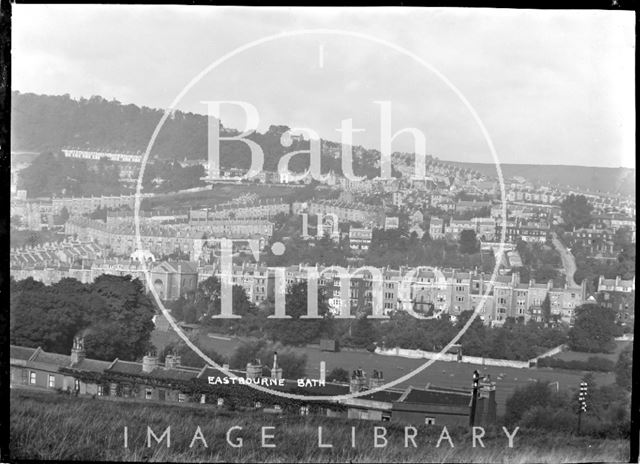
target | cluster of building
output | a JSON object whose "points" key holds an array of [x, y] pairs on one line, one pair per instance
{"points": [[522, 190], [264, 209], [426, 291], [448, 291], [67, 251], [150, 380], [490, 229], [599, 238], [90, 155], [366, 215], [39, 214], [166, 239], [618, 294], [128, 163], [171, 279]]}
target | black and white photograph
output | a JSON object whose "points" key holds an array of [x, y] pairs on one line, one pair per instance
{"points": [[319, 234]]}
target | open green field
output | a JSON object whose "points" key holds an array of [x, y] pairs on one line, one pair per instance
{"points": [[221, 193], [577, 356], [49, 426], [446, 374]]}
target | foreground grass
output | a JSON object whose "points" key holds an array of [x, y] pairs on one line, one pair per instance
{"points": [[51, 426]]}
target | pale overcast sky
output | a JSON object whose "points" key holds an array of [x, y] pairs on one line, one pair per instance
{"points": [[550, 87]]}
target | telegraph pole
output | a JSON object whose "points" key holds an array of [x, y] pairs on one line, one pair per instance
{"points": [[474, 398], [582, 402]]}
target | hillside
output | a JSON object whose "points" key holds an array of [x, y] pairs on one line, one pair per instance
{"points": [[47, 426], [613, 180], [48, 123]]}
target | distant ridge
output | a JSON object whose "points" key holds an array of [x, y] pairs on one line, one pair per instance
{"points": [[596, 179], [49, 123]]}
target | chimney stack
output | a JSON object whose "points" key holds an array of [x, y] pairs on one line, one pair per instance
{"points": [[171, 361], [77, 352], [323, 371], [358, 381], [276, 372], [254, 371], [149, 363], [376, 379]]}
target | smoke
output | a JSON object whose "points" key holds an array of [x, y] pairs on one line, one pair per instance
{"points": [[85, 332]]}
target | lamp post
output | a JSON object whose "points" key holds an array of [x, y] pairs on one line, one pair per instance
{"points": [[582, 402], [474, 398]]}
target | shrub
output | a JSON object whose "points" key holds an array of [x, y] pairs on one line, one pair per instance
{"points": [[594, 363], [548, 418], [338, 374]]}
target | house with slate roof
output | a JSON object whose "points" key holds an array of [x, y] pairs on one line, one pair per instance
{"points": [[36, 368], [150, 380], [445, 406]]}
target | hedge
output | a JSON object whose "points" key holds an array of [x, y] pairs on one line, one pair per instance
{"points": [[594, 363]]}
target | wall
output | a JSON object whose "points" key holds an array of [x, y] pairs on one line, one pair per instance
{"points": [[411, 416], [448, 357]]}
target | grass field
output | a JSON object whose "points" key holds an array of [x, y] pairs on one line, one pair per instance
{"points": [[56, 427], [578, 356], [447, 374]]}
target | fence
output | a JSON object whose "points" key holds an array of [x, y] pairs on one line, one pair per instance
{"points": [[449, 357]]}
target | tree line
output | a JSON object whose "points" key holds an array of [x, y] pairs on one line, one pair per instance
{"points": [[113, 314]]}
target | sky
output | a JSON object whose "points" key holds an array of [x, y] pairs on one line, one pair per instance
{"points": [[550, 87]]}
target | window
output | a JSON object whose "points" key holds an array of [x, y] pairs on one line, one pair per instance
{"points": [[100, 390], [429, 421], [32, 377], [182, 398], [52, 381], [148, 393]]}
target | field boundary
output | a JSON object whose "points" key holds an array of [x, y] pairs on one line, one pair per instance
{"points": [[449, 357], [479, 360]]}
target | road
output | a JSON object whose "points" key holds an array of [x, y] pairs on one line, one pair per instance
{"points": [[568, 261]]}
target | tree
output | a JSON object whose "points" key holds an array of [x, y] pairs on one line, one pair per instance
{"points": [[594, 329], [46, 316], [113, 314], [623, 369], [576, 211], [122, 327], [338, 374], [468, 242], [545, 273], [62, 217], [536, 394], [188, 357], [297, 331], [546, 309], [363, 332], [622, 238]]}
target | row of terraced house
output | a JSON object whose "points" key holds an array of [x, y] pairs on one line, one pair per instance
{"points": [[151, 381], [448, 291]]}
